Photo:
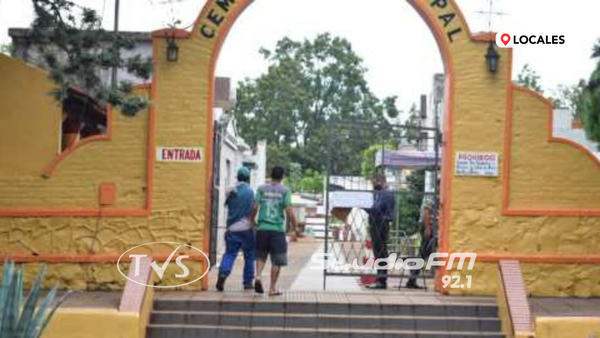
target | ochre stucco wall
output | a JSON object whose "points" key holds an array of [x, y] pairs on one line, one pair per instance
{"points": [[572, 327], [543, 176], [73, 186], [21, 122], [29, 141], [93, 323], [548, 174]]}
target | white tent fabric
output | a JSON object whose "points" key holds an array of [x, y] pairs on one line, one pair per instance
{"points": [[406, 159]]}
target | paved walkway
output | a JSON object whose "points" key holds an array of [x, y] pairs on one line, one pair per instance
{"points": [[299, 254], [93, 299], [370, 297], [300, 276], [565, 307], [303, 284]]}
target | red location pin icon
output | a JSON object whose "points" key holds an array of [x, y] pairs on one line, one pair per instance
{"points": [[505, 39]]}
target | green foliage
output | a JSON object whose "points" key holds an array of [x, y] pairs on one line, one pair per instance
{"points": [[294, 176], [570, 97], [312, 182], [308, 182], [76, 49], [409, 202], [530, 79], [590, 110], [6, 48], [308, 85], [391, 109], [368, 168], [596, 50], [278, 156], [25, 317], [412, 133]]}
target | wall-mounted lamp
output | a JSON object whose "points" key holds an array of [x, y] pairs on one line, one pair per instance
{"points": [[492, 58], [172, 49]]}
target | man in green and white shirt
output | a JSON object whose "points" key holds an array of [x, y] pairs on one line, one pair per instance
{"points": [[272, 203]]}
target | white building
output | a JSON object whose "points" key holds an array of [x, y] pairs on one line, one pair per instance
{"points": [[433, 117], [24, 50], [235, 153], [231, 153], [563, 128]]}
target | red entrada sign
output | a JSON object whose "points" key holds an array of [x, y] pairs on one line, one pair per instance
{"points": [[179, 154]]}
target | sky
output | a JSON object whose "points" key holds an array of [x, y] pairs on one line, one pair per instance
{"points": [[397, 47]]}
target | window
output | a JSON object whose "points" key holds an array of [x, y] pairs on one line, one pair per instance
{"points": [[82, 117]]}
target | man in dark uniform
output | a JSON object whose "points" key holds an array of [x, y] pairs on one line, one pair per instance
{"points": [[381, 215]]}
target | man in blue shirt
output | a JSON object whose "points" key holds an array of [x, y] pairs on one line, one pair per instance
{"points": [[381, 215], [240, 234]]}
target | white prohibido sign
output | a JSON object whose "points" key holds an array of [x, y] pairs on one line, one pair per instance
{"points": [[476, 164]]}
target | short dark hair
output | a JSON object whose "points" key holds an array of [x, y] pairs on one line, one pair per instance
{"points": [[379, 176], [277, 173]]}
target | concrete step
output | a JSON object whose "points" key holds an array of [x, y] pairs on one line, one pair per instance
{"points": [[312, 320], [421, 310], [214, 331]]}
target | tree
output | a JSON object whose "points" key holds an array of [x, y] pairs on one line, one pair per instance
{"points": [[570, 97], [309, 86], [412, 133], [390, 107], [590, 106], [74, 48], [410, 201], [312, 182], [294, 176], [368, 166], [530, 79]]}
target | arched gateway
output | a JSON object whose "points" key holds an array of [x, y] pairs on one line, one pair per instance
{"points": [[528, 212], [542, 208]]}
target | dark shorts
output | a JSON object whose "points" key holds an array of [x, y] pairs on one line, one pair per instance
{"points": [[273, 244]]}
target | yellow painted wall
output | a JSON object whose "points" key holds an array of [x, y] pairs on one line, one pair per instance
{"points": [[22, 122], [30, 128], [477, 223], [549, 174], [572, 327], [182, 120], [544, 175], [93, 323], [543, 280]]}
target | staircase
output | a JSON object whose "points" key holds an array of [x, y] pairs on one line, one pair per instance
{"points": [[322, 315]]}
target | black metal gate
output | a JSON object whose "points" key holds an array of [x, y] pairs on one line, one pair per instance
{"points": [[214, 217], [408, 156]]}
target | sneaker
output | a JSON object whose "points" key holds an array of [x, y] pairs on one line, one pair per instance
{"points": [[221, 284], [248, 286]]}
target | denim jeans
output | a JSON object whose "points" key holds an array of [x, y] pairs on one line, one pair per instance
{"points": [[234, 241]]}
